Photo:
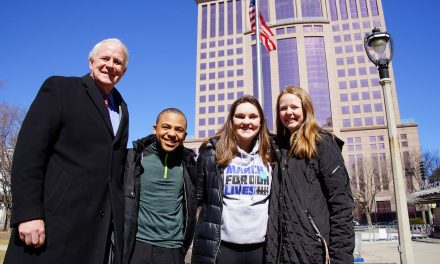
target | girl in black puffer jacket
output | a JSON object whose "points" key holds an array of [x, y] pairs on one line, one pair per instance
{"points": [[234, 179]]}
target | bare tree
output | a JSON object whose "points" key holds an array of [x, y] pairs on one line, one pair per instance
{"points": [[11, 118], [431, 162], [371, 176]]}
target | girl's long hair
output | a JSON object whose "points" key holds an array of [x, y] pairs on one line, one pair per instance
{"points": [[226, 147], [303, 141]]}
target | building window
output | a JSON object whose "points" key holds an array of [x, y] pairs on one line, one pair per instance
{"points": [[230, 17], [356, 109], [211, 109], [345, 110], [333, 10], [288, 69], [284, 9], [383, 207], [343, 9], [201, 122], [213, 20], [202, 110], [238, 15], [367, 108], [311, 8]]}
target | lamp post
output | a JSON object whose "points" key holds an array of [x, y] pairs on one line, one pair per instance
{"points": [[378, 41]]}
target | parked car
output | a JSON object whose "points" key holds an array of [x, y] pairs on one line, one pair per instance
{"points": [[356, 223]]}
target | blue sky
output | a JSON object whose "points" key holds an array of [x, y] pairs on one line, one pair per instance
{"points": [[54, 37]]}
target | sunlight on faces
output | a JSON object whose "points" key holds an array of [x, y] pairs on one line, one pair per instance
{"points": [[170, 131], [246, 124], [291, 112], [108, 65]]}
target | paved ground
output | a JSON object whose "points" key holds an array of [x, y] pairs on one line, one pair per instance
{"points": [[426, 251]]}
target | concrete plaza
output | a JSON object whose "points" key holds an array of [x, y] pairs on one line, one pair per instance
{"points": [[426, 251]]}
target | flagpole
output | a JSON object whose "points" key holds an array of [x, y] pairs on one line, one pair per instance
{"points": [[257, 35]]}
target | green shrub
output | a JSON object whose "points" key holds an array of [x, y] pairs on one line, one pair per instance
{"points": [[416, 221]]}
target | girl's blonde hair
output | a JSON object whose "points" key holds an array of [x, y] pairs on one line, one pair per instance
{"points": [[303, 141]]}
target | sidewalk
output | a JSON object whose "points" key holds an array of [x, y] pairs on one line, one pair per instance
{"points": [[426, 251]]}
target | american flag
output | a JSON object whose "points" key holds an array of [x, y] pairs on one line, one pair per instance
{"points": [[265, 32]]}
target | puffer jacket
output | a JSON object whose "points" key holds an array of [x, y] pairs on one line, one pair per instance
{"points": [[209, 194], [133, 171], [309, 197]]}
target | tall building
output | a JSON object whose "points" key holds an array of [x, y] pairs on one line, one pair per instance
{"points": [[319, 48]]}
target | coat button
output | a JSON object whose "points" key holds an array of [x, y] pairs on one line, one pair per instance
{"points": [[109, 179], [131, 193], [101, 213]]}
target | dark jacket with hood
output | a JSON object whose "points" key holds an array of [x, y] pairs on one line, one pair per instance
{"points": [[133, 171], [310, 196]]}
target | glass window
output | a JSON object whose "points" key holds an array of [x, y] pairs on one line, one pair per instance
{"points": [[204, 21], [230, 73], [238, 16], [220, 120], [338, 50], [343, 9], [373, 7], [336, 38], [202, 122], [403, 136], [212, 86], [221, 97], [378, 107], [230, 96], [363, 7], [333, 10], [221, 43], [201, 134], [212, 65], [365, 95], [346, 123], [377, 94], [240, 83], [240, 72], [212, 75], [212, 21], [343, 97], [230, 8], [203, 87], [351, 72], [364, 83], [239, 61], [291, 29], [311, 8], [202, 77], [221, 19], [341, 73], [356, 109], [221, 74], [339, 61], [347, 37], [362, 71], [220, 108], [350, 60], [354, 96], [202, 110], [353, 9], [221, 85], [353, 84], [380, 120], [202, 66], [348, 48], [230, 84], [230, 62], [368, 121], [345, 110], [211, 98], [288, 68], [284, 9], [367, 108], [342, 85]]}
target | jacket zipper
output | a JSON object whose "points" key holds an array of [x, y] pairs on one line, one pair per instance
{"points": [[220, 197]]}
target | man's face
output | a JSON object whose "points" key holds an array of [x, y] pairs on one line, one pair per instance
{"points": [[108, 65], [170, 131]]}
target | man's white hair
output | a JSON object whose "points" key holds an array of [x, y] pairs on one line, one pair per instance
{"points": [[92, 53]]}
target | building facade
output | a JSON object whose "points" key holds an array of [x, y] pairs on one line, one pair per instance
{"points": [[319, 48]]}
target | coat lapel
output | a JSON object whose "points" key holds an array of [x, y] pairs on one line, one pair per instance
{"points": [[96, 97]]}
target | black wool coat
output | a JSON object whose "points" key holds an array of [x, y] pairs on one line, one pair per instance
{"points": [[67, 170]]}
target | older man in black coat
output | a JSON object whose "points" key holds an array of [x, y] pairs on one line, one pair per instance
{"points": [[68, 166]]}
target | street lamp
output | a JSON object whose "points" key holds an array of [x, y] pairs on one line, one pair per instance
{"points": [[377, 41]]}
